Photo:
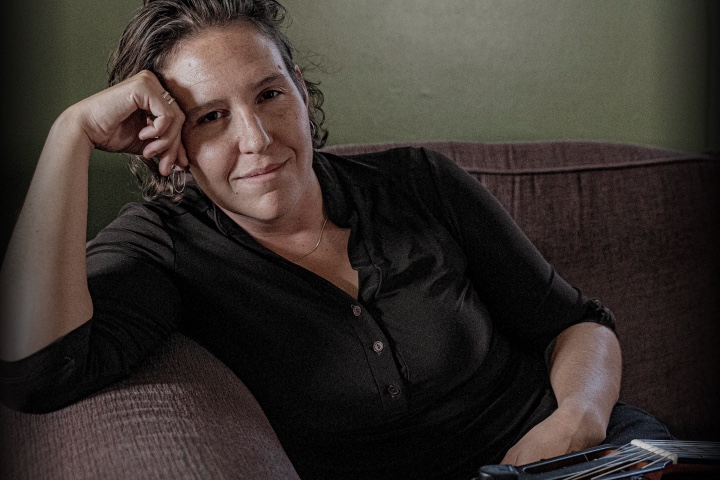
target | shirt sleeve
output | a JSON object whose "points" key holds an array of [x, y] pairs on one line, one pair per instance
{"points": [[525, 296], [135, 307]]}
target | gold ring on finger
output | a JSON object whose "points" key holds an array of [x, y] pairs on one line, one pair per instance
{"points": [[167, 97]]}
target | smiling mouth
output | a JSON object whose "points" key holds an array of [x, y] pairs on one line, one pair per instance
{"points": [[264, 172]]}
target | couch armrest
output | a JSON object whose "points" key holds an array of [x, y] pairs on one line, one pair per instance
{"points": [[183, 415]]}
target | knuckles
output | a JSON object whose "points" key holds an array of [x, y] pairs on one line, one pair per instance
{"points": [[146, 77]]}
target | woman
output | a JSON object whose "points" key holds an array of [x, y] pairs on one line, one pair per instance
{"points": [[382, 337]]}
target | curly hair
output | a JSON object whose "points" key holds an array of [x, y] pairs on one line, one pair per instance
{"points": [[156, 29]]}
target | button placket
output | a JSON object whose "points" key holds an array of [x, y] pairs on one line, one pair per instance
{"points": [[388, 379]]}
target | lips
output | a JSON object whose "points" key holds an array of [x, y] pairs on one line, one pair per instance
{"points": [[258, 172]]}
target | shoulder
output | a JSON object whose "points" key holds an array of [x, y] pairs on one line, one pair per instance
{"points": [[401, 165], [400, 182], [141, 231], [137, 234], [134, 219], [152, 221]]}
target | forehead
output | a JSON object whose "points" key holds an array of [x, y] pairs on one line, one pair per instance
{"points": [[230, 54]]}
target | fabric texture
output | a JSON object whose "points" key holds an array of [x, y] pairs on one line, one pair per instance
{"points": [[183, 415], [669, 335], [442, 352]]}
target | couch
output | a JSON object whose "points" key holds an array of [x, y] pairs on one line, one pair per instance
{"points": [[635, 226]]}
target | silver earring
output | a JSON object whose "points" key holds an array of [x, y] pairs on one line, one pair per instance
{"points": [[178, 179], [313, 128]]}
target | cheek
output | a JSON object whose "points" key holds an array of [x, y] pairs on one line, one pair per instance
{"points": [[301, 134], [211, 159]]}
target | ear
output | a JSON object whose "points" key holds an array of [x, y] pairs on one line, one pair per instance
{"points": [[304, 90]]}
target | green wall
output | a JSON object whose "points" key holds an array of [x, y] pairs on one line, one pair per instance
{"points": [[393, 70], [632, 71]]}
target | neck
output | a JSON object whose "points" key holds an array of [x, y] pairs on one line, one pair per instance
{"points": [[294, 232]]}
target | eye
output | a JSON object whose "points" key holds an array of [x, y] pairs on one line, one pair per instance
{"points": [[210, 117], [269, 94]]}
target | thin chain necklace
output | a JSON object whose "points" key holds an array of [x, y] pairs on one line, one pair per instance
{"points": [[322, 230]]}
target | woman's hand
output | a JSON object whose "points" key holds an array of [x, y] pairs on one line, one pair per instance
{"points": [[566, 430], [134, 117]]}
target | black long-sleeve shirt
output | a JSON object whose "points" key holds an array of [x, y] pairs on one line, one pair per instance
{"points": [[437, 368]]}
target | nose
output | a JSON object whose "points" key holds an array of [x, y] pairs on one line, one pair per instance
{"points": [[252, 136]]}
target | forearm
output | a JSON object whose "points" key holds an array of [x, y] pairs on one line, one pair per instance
{"points": [[585, 376], [43, 284]]}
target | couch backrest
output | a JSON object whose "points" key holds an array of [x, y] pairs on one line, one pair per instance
{"points": [[637, 228]]}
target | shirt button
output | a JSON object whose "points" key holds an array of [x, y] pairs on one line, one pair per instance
{"points": [[357, 310], [378, 346], [393, 390]]}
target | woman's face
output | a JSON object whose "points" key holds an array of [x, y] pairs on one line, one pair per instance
{"points": [[246, 131]]}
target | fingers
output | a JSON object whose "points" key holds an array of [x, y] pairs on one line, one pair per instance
{"points": [[549, 438], [164, 115], [173, 157], [163, 133], [170, 153], [136, 116]]}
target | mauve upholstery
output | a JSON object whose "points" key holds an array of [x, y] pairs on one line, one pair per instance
{"points": [[634, 226], [184, 415]]}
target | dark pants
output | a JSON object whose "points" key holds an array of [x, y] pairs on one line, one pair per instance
{"points": [[628, 423]]}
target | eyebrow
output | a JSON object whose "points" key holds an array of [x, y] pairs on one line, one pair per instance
{"points": [[255, 86]]}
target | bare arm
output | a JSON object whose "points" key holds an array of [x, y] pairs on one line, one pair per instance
{"points": [[585, 376], [43, 284]]}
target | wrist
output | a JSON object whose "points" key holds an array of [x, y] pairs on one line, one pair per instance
{"points": [[586, 424], [68, 131]]}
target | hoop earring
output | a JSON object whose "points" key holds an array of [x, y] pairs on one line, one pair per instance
{"points": [[178, 178], [313, 129]]}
